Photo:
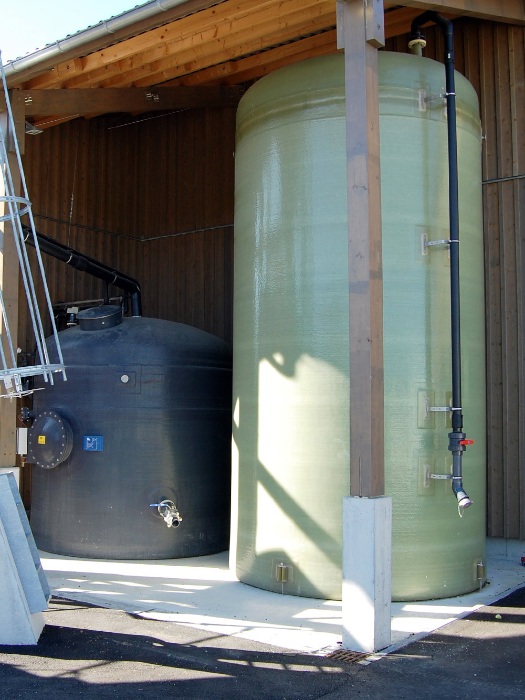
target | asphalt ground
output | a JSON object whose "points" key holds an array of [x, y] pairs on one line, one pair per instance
{"points": [[90, 652]]}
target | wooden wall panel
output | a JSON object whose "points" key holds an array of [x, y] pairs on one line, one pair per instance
{"points": [[501, 92], [151, 196], [492, 57]]}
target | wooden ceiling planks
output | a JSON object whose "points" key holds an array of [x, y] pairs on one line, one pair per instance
{"points": [[212, 33], [229, 40], [217, 36], [227, 31], [252, 67], [230, 43]]}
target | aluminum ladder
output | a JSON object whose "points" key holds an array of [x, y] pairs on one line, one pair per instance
{"points": [[11, 376]]}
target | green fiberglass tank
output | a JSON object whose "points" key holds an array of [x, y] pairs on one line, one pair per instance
{"points": [[290, 375]]}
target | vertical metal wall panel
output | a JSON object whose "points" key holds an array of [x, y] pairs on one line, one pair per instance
{"points": [[509, 288], [502, 97], [150, 196], [493, 279]]}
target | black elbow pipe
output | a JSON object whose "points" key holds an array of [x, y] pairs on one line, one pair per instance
{"points": [[86, 264], [457, 438]]}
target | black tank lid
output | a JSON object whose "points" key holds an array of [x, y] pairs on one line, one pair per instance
{"points": [[100, 317]]}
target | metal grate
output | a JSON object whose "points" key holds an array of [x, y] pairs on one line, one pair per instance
{"points": [[350, 657]]}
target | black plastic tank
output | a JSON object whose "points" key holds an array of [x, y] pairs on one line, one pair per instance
{"points": [[131, 455]]}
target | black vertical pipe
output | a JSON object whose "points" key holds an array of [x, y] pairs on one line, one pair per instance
{"points": [[457, 438], [450, 86]]}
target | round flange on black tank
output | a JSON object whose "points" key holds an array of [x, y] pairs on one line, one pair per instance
{"points": [[131, 455]]}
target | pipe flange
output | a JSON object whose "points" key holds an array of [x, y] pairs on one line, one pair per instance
{"points": [[417, 43]]}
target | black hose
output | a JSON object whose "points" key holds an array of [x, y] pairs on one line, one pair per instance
{"points": [[88, 265]]}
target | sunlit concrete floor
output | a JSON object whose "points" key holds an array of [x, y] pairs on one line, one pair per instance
{"points": [[204, 594]]}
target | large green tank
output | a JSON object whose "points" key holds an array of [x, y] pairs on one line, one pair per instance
{"points": [[290, 374]]}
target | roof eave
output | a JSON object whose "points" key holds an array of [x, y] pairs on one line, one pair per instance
{"points": [[139, 19]]}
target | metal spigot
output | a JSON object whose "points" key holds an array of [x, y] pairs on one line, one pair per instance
{"points": [[168, 512]]}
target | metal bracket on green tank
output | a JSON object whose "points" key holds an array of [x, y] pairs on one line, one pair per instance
{"points": [[448, 410], [440, 409], [425, 419], [429, 475], [426, 411], [481, 575], [425, 99], [425, 243]]}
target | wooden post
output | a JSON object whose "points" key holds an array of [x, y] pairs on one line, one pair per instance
{"points": [[9, 274], [360, 32], [367, 514]]}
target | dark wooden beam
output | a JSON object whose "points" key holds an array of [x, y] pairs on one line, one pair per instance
{"points": [[510, 11], [17, 110], [105, 100]]}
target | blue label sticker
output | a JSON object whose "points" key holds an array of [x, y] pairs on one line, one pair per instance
{"points": [[93, 443]]}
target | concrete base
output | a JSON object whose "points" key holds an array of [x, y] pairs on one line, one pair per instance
{"points": [[18, 624], [24, 591], [367, 573], [12, 470]]}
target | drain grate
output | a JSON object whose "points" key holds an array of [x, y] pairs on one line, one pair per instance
{"points": [[350, 657]]}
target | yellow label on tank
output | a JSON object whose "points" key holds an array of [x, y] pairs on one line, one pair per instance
{"points": [[41, 439]]}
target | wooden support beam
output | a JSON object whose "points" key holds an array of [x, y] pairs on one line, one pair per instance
{"points": [[17, 109], [9, 274], [105, 100], [360, 32]]}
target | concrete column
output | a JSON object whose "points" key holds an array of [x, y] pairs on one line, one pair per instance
{"points": [[367, 573]]}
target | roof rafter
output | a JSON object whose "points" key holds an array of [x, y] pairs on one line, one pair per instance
{"points": [[509, 11]]}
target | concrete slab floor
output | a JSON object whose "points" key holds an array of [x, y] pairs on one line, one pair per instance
{"points": [[203, 593]]}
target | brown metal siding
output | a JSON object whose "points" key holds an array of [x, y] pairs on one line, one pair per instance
{"points": [[492, 56], [150, 196]]}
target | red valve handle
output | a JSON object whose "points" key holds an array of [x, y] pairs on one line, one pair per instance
{"points": [[466, 442]]}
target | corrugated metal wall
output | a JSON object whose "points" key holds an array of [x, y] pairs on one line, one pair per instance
{"points": [[133, 195], [492, 56], [151, 196]]}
